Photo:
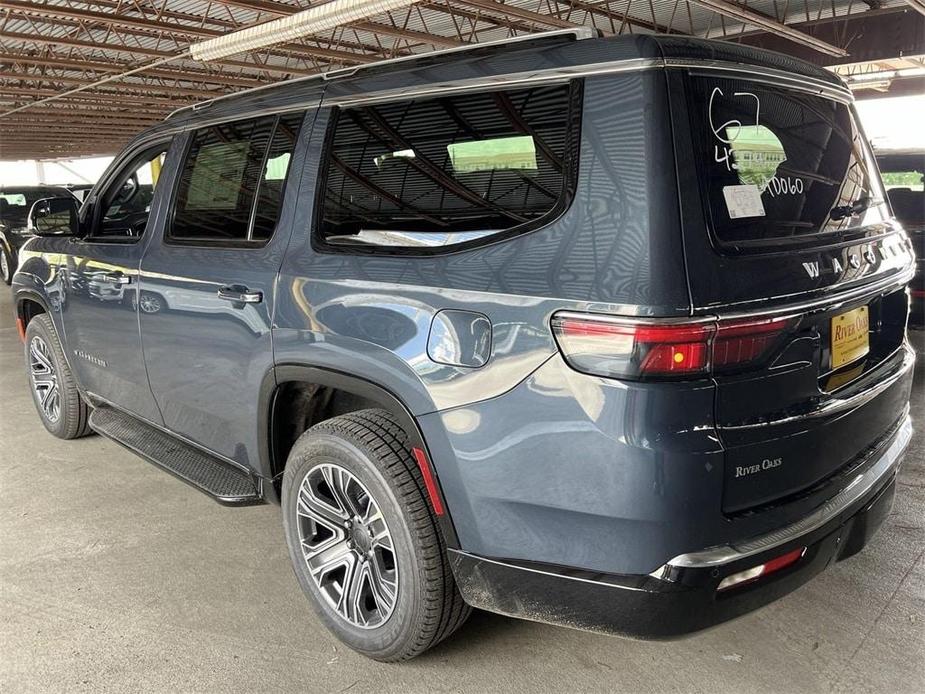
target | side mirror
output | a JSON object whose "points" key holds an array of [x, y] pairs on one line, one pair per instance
{"points": [[54, 217]]}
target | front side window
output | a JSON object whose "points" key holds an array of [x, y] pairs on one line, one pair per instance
{"points": [[780, 166], [432, 173], [231, 183], [126, 203]]}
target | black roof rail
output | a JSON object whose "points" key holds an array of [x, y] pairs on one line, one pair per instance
{"points": [[574, 34]]}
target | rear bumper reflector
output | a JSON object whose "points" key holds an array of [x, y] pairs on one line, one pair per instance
{"points": [[753, 574]]}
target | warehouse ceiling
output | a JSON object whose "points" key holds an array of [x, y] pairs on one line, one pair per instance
{"points": [[49, 47]]}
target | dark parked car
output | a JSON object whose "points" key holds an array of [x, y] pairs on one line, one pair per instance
{"points": [[603, 333], [904, 176], [15, 203]]}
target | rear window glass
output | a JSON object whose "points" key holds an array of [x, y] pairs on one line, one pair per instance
{"points": [[432, 173], [780, 166]]}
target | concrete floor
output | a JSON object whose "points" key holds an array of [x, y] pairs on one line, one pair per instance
{"points": [[115, 576]]}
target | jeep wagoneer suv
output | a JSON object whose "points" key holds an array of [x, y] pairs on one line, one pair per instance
{"points": [[603, 333]]}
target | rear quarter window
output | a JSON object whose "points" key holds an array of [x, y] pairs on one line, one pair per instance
{"points": [[427, 175]]}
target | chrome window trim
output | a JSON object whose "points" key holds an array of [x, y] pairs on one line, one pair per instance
{"points": [[863, 483], [518, 79], [508, 80], [804, 83]]}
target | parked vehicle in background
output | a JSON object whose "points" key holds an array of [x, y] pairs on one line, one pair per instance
{"points": [[903, 172], [15, 204], [606, 333]]}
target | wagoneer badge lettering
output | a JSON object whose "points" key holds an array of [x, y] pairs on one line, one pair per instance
{"points": [[813, 268], [90, 358]]}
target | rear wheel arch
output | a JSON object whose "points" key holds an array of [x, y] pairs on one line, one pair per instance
{"points": [[295, 397]]}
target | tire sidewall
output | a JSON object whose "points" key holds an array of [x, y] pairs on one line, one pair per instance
{"points": [[320, 447]]}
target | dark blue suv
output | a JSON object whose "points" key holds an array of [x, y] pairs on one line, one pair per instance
{"points": [[603, 333]]}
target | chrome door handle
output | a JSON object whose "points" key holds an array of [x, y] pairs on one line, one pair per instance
{"points": [[117, 278], [239, 295]]}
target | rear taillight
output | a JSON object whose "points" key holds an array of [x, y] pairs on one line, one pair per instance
{"points": [[615, 348]]}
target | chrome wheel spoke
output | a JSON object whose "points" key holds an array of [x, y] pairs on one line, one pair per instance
{"points": [[48, 398], [382, 539], [40, 361], [320, 511], [351, 604], [44, 379], [321, 561], [383, 586], [338, 481], [347, 546]]}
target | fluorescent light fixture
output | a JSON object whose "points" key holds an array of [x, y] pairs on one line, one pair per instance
{"points": [[311, 21]]}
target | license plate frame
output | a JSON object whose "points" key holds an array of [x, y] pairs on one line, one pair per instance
{"points": [[850, 336]]}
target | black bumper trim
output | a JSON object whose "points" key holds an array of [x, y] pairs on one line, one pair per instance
{"points": [[646, 607]]}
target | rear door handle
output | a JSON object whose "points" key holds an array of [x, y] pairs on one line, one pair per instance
{"points": [[238, 294]]}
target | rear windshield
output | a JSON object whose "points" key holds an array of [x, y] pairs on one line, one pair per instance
{"points": [[780, 166]]}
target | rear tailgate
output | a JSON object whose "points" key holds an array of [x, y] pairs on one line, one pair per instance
{"points": [[800, 423], [789, 221]]}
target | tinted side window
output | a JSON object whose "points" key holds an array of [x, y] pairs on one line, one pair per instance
{"points": [[431, 173], [230, 187], [126, 203], [275, 172]]}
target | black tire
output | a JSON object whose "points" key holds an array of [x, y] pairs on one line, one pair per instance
{"points": [[371, 446], [6, 267], [73, 412]]}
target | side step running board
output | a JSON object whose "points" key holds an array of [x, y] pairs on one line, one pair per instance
{"points": [[223, 482]]}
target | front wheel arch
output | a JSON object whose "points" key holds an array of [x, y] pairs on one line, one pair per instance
{"points": [[28, 306]]}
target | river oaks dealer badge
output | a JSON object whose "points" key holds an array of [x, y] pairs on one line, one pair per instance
{"points": [[850, 336]]}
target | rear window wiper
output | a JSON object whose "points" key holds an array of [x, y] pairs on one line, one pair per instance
{"points": [[851, 209]]}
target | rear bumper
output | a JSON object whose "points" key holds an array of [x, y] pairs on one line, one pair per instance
{"points": [[681, 597]]}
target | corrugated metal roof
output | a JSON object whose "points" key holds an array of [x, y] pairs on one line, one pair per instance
{"points": [[50, 46]]}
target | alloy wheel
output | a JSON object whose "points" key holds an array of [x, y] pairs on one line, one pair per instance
{"points": [[44, 379], [4, 266], [150, 304], [347, 546]]}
